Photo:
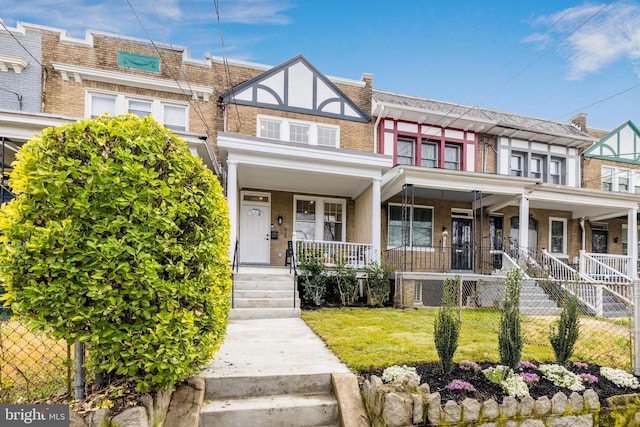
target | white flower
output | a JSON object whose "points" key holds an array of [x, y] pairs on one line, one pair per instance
{"points": [[515, 386], [620, 377], [396, 374], [562, 377]]}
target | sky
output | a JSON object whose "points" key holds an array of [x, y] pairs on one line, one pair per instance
{"points": [[550, 59]]}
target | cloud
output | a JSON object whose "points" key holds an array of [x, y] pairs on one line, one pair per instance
{"points": [[255, 12], [612, 34]]}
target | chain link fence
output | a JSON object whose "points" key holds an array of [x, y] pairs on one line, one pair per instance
{"points": [[33, 365], [606, 317]]}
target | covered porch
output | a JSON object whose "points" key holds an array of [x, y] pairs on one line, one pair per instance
{"points": [[288, 199]]}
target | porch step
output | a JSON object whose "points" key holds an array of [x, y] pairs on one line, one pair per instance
{"points": [[263, 313], [264, 293], [236, 387], [612, 308], [272, 411], [534, 301]]}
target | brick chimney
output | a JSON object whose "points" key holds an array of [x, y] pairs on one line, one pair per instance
{"points": [[580, 121]]}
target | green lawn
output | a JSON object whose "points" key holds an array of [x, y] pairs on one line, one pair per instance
{"points": [[365, 338]]}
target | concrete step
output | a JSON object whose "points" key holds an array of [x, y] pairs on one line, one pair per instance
{"points": [[263, 277], [540, 311], [272, 411], [236, 387], [265, 302], [264, 293], [263, 313], [248, 285]]}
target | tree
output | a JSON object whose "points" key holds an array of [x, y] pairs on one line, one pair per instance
{"points": [[118, 238], [510, 335], [446, 328]]}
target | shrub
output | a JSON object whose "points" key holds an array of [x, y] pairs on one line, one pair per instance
{"points": [[446, 328], [347, 283], [118, 238], [314, 283], [565, 334], [377, 283], [510, 335]]}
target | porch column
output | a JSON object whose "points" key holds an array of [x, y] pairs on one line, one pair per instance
{"points": [[375, 219], [632, 242], [523, 231], [232, 201]]}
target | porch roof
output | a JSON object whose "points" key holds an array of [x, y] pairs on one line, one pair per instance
{"points": [[284, 166], [494, 192]]}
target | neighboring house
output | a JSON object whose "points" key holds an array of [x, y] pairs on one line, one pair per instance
{"points": [[613, 166], [330, 166], [475, 191]]}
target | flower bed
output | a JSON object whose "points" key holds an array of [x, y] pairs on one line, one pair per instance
{"points": [[475, 394]]}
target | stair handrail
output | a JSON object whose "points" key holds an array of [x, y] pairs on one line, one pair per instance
{"points": [[234, 268], [584, 256], [557, 264]]}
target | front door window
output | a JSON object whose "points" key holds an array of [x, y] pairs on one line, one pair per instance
{"points": [[599, 240], [461, 244]]}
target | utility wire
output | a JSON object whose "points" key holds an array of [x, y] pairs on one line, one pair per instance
{"points": [[20, 43], [225, 63]]}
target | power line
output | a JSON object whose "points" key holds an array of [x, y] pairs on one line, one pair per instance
{"points": [[20, 43], [225, 63]]}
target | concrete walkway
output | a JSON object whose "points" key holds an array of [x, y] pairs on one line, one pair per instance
{"points": [[268, 347]]}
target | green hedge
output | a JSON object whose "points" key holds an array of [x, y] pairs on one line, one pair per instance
{"points": [[118, 238]]}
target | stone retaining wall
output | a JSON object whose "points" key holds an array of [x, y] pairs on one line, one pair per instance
{"points": [[410, 403], [180, 408]]}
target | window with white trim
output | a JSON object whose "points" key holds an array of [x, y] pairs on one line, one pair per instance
{"points": [[299, 133], [429, 153], [405, 153], [318, 218], [516, 165], [452, 156], [311, 133], [555, 171], [417, 292], [558, 235], [620, 179], [415, 229], [172, 115], [535, 171]]}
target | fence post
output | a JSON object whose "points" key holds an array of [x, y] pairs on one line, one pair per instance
{"points": [[78, 348], [599, 300], [636, 326]]}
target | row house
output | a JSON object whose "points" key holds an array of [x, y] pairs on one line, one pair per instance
{"points": [[313, 164]]}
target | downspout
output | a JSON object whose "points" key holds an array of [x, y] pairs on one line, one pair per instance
{"points": [[584, 236], [224, 116], [375, 131]]}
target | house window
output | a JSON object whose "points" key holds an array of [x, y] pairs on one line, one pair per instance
{"points": [[319, 218], [636, 182], [175, 117], [333, 222], [452, 157], [405, 152], [516, 165], [536, 167], [558, 235], [623, 180], [429, 154], [606, 178], [299, 133], [269, 129], [305, 219], [101, 104], [416, 228], [172, 116], [496, 232], [327, 136], [417, 292], [555, 171], [139, 108]]}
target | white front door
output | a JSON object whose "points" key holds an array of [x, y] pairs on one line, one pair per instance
{"points": [[255, 232]]}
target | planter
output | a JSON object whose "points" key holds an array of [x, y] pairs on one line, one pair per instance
{"points": [[410, 403]]}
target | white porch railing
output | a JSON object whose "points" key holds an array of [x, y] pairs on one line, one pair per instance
{"points": [[591, 287], [509, 263], [605, 267], [355, 255]]}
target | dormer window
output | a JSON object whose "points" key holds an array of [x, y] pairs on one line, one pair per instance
{"points": [[311, 133]]}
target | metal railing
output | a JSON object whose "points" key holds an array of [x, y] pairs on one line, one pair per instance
{"points": [[234, 268], [356, 255], [605, 267]]}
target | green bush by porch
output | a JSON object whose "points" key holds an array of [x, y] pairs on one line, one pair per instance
{"points": [[118, 238]]}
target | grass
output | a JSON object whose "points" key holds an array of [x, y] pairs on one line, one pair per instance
{"points": [[374, 338], [32, 365]]}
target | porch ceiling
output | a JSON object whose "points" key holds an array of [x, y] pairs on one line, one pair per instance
{"points": [[300, 181]]}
